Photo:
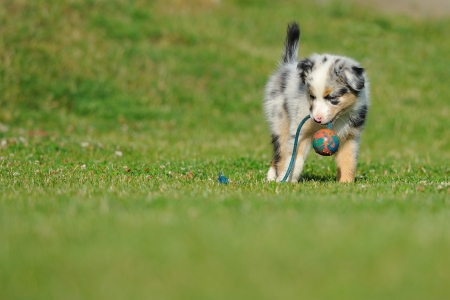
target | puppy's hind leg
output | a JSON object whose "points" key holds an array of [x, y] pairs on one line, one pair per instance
{"points": [[272, 174], [280, 138]]}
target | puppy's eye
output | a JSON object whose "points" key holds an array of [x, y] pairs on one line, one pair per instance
{"points": [[333, 101]]}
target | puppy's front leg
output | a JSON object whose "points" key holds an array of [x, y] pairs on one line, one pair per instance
{"points": [[304, 145], [346, 159]]}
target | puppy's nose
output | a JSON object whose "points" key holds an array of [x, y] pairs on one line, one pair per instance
{"points": [[318, 119]]}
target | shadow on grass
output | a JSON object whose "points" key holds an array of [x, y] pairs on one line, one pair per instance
{"points": [[327, 178], [318, 178]]}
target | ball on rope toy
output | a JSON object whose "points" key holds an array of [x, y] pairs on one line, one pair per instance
{"points": [[326, 142]]}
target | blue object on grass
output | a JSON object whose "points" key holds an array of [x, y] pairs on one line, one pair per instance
{"points": [[222, 179]]}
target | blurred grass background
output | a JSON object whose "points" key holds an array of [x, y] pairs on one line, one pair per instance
{"points": [[196, 69], [116, 117]]}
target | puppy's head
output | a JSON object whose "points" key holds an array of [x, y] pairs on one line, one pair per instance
{"points": [[333, 84]]}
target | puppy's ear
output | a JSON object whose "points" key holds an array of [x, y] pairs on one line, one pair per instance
{"points": [[304, 67], [353, 75]]}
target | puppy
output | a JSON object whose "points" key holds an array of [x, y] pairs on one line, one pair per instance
{"points": [[329, 88]]}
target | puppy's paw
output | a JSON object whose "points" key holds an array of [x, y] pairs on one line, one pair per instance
{"points": [[271, 174], [290, 179], [279, 178]]}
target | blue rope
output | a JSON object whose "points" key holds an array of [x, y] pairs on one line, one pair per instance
{"points": [[294, 151]]}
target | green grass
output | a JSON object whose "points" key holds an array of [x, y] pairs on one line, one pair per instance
{"points": [[117, 116]]}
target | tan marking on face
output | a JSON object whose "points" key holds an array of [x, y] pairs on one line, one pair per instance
{"points": [[327, 92], [345, 102]]}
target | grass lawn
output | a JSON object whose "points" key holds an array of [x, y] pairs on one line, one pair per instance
{"points": [[116, 118]]}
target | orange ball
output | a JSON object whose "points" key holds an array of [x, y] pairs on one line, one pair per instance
{"points": [[325, 142]]}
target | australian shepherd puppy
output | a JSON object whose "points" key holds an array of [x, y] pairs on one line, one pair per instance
{"points": [[329, 88]]}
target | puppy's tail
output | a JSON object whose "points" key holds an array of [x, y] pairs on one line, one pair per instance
{"points": [[291, 45]]}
